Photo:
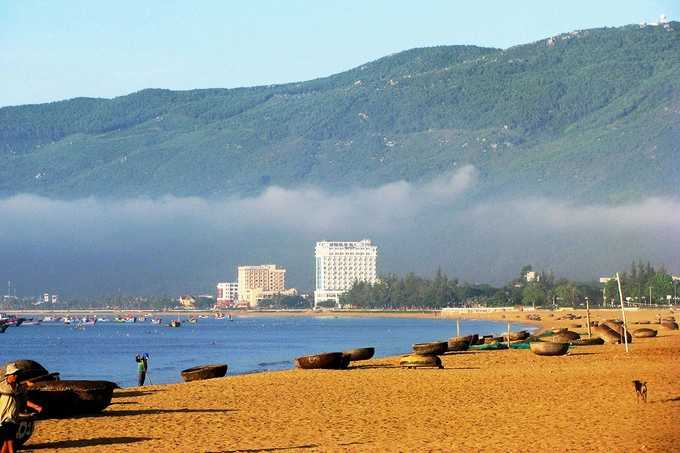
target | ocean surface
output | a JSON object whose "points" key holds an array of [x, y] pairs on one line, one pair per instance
{"points": [[248, 344]]}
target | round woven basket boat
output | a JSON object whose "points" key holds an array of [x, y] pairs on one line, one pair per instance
{"points": [[644, 333], [198, 373], [669, 325], [359, 353], [420, 361], [325, 360], [456, 344], [432, 348], [28, 369], [587, 341], [70, 397], [564, 336], [608, 334], [548, 348], [516, 336]]}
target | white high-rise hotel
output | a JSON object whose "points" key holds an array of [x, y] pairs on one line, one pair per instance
{"points": [[340, 264]]}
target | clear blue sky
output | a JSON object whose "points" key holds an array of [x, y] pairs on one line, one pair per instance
{"points": [[55, 50]]}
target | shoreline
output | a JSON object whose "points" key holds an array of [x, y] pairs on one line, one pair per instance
{"points": [[481, 401]]}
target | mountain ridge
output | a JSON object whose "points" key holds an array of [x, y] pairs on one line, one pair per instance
{"points": [[587, 115]]}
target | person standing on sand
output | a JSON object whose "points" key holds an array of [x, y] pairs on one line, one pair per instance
{"points": [[12, 399], [142, 366]]}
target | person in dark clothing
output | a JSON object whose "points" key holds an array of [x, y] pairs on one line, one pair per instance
{"points": [[142, 367]]}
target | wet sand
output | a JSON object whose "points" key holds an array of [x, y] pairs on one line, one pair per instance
{"points": [[481, 401]]}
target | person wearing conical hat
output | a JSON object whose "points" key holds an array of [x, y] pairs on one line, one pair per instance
{"points": [[12, 400]]}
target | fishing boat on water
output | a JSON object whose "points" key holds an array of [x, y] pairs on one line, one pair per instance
{"points": [[175, 323], [15, 322], [128, 318], [156, 321], [51, 319]]}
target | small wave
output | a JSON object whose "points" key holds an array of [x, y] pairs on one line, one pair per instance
{"points": [[283, 362]]}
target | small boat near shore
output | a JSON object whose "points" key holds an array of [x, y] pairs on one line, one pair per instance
{"points": [[420, 361], [359, 353], [516, 336], [204, 372], [51, 319], [15, 322], [587, 341], [431, 348], [545, 348], [325, 360], [28, 369], [70, 397]]}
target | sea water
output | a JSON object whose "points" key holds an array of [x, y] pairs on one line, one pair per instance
{"points": [[248, 344]]}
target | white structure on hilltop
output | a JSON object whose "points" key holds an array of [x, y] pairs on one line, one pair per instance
{"points": [[340, 264]]}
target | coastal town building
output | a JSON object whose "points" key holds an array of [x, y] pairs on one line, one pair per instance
{"points": [[187, 301], [256, 283], [340, 264], [227, 294]]}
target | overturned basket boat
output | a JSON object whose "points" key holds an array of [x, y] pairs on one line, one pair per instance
{"points": [[669, 325], [420, 361], [644, 333], [359, 354], [457, 344], [516, 336], [65, 398], [564, 336], [548, 348], [621, 329], [28, 369], [587, 341], [608, 334], [432, 348], [198, 373], [325, 360]]}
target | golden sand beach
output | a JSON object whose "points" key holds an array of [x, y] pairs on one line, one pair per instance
{"points": [[481, 401]]}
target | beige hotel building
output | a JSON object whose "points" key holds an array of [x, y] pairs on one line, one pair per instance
{"points": [[256, 283]]}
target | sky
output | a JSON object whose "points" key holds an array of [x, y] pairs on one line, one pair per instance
{"points": [[58, 49]]}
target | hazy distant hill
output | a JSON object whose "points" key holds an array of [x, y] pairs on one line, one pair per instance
{"points": [[591, 115]]}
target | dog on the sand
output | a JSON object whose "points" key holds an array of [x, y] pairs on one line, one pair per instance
{"points": [[641, 390]]}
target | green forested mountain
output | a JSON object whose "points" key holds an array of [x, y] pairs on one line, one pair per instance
{"points": [[593, 115]]}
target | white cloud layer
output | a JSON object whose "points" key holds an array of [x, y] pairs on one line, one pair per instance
{"points": [[187, 245]]}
